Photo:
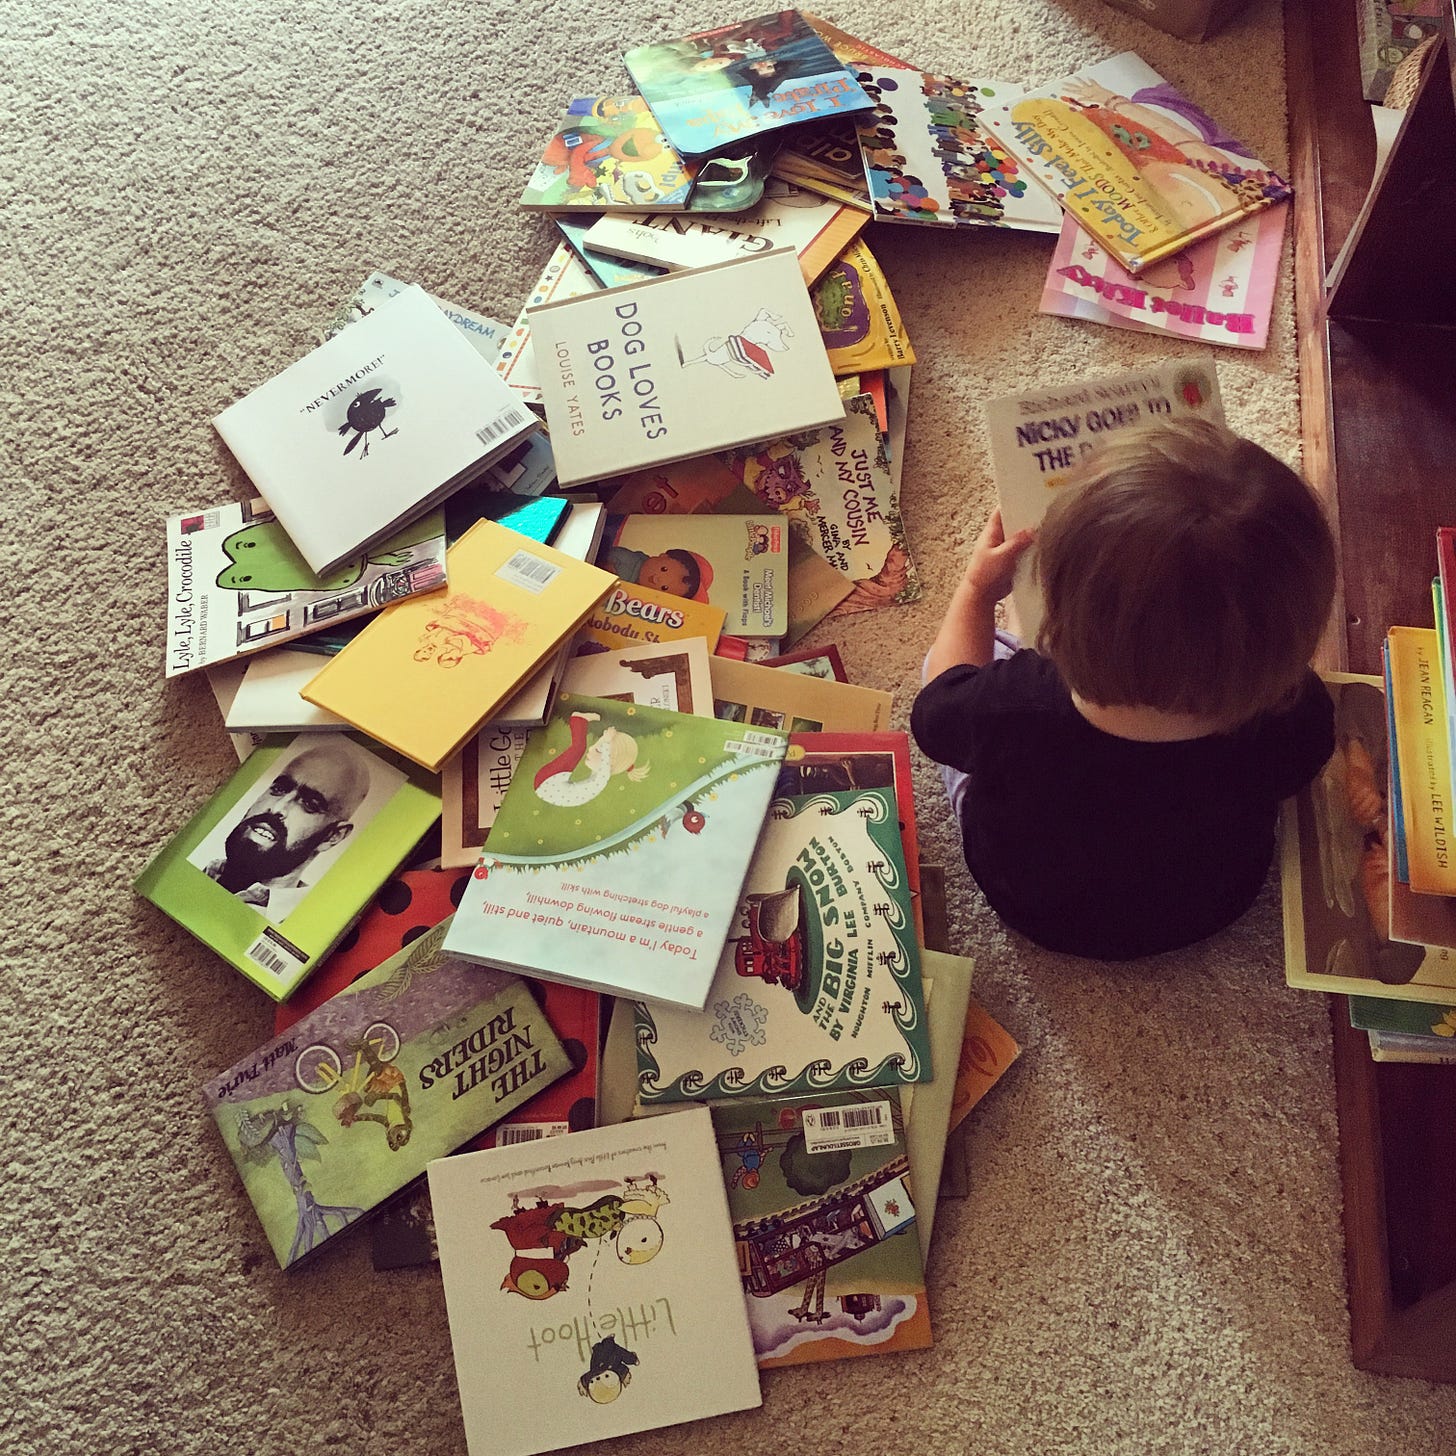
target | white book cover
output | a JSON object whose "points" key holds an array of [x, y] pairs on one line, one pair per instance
{"points": [[564, 276], [665, 247], [372, 428], [486, 335], [267, 699], [592, 1285], [1037, 437], [681, 365]]}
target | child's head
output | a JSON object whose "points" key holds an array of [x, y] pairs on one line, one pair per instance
{"points": [[1184, 569]]}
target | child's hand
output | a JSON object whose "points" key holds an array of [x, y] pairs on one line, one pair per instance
{"points": [[993, 561]]}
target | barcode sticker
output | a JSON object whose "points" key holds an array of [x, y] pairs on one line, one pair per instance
{"points": [[859, 1125], [772, 748], [280, 958], [508, 422], [529, 572], [510, 1133]]}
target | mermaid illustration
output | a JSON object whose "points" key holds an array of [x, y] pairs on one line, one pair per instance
{"points": [[613, 752]]}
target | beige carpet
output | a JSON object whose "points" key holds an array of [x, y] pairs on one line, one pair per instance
{"points": [[1150, 1258]]}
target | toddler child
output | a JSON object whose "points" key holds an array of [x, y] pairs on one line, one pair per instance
{"points": [[1118, 787]]}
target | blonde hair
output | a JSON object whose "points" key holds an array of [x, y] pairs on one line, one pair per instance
{"points": [[1184, 569]]}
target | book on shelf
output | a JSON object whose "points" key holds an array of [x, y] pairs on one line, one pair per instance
{"points": [[1418, 710], [452, 660], [608, 152], [237, 584], [372, 429], [1388, 1046], [1140, 166], [818, 988], [591, 1286], [1219, 291], [1335, 867], [351, 1103], [929, 159], [715, 87], [1444, 604], [681, 365], [1403, 1018], [275, 867], [616, 858], [825, 1224], [1038, 436], [485, 334]]}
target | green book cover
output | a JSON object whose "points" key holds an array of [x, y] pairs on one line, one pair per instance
{"points": [[403, 1066], [1407, 1018], [818, 988], [277, 865]]}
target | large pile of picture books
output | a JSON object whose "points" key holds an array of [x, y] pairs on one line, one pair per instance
{"points": [[550, 837]]}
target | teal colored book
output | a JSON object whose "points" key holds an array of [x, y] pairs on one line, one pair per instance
{"points": [[350, 1103], [617, 855], [280, 862], [818, 989]]}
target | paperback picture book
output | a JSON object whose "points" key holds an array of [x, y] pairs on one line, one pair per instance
{"points": [[268, 701], [564, 276], [485, 334], [681, 365], [236, 583], [608, 152], [454, 660], [632, 613], [928, 158], [1418, 708], [859, 321], [818, 989], [1219, 291], [738, 563], [279, 862], [716, 87], [1037, 437], [616, 859], [372, 428], [591, 1286], [825, 1224], [1335, 864], [349, 1105], [1403, 1018], [1140, 166]]}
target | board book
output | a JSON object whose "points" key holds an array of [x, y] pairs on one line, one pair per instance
{"points": [[340, 1112], [824, 1220], [452, 660], [818, 988], [632, 613], [280, 861], [713, 88], [617, 856], [681, 365], [591, 1286], [372, 428], [1141, 166], [236, 583]]}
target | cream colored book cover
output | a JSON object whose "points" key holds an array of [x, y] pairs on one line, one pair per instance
{"points": [[427, 672], [767, 697], [1418, 704]]}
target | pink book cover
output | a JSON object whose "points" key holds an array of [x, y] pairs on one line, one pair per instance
{"points": [[1219, 291]]}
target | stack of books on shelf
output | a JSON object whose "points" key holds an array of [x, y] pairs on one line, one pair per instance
{"points": [[588, 890], [1368, 865]]}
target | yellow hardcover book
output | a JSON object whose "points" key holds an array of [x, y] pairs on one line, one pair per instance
{"points": [[630, 615], [1418, 703], [429, 670]]}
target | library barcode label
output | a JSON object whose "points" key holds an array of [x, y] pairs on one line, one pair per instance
{"points": [[507, 422], [512, 1133], [278, 957], [744, 749], [529, 572], [858, 1125]]}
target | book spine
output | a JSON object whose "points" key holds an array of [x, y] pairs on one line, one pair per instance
{"points": [[1419, 705], [1399, 866]]}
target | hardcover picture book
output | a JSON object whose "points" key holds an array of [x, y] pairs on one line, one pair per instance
{"points": [[616, 859], [825, 1224], [236, 583], [765, 697], [372, 428], [928, 158], [1140, 166], [454, 660], [591, 1286], [738, 563], [681, 365], [279, 862], [818, 989], [564, 276], [713, 88], [350, 1104], [608, 152], [631, 613], [268, 699]]}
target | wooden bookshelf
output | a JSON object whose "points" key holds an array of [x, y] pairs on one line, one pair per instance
{"points": [[1375, 300]]}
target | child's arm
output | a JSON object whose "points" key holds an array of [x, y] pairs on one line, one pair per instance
{"points": [[968, 633]]}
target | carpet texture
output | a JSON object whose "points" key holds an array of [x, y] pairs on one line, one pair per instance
{"points": [[1150, 1258]]}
